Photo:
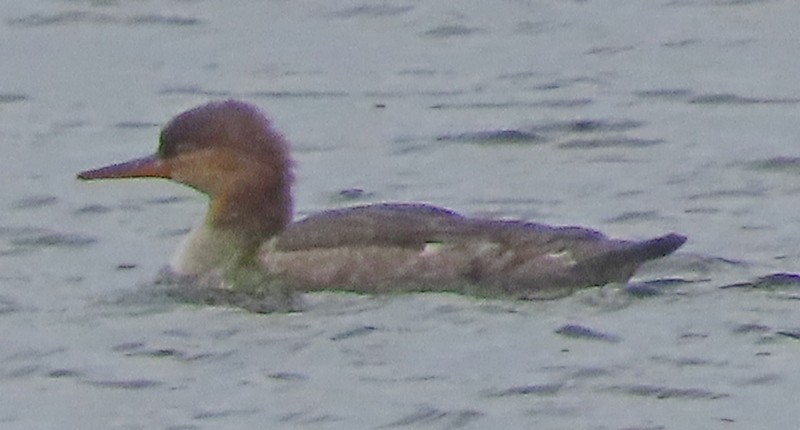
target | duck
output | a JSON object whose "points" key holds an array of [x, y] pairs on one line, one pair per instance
{"points": [[230, 151]]}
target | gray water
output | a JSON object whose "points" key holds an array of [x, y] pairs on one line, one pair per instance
{"points": [[636, 118]]}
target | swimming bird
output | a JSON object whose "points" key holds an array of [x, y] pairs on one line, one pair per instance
{"points": [[230, 151]]}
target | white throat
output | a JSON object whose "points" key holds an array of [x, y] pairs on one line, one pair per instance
{"points": [[205, 250]]}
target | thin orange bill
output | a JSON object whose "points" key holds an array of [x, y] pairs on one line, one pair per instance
{"points": [[146, 167]]}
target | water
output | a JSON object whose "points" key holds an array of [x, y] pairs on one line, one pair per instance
{"points": [[636, 119]]}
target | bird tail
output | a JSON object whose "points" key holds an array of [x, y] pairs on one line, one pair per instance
{"points": [[654, 248], [620, 264]]}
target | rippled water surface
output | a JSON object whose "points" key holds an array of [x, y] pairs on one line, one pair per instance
{"points": [[636, 118]]}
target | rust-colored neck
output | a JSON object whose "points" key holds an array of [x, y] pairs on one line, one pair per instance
{"points": [[241, 218], [252, 210]]}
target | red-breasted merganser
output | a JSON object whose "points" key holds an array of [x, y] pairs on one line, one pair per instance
{"points": [[229, 151]]}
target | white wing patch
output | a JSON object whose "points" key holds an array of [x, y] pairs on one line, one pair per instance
{"points": [[564, 257], [432, 248]]}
